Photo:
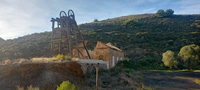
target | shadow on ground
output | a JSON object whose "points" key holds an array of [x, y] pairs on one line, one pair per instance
{"points": [[181, 80]]}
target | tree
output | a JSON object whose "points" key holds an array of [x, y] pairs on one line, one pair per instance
{"points": [[190, 55], [169, 59], [95, 20], [160, 13], [169, 12]]}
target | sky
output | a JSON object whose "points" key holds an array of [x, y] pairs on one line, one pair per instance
{"points": [[23, 17]]}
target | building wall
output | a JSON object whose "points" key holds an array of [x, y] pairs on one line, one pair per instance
{"points": [[115, 57], [102, 52]]}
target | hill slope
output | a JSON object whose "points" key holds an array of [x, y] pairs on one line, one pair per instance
{"points": [[147, 33], [144, 35]]}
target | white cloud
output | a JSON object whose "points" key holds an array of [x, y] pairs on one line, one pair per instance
{"points": [[20, 18]]}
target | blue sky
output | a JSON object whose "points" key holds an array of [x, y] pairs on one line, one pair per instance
{"points": [[22, 17]]}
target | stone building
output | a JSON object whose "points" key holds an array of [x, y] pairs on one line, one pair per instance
{"points": [[106, 52], [82, 52]]}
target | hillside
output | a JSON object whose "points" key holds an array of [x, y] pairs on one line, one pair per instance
{"points": [[1, 40], [140, 36], [146, 34]]}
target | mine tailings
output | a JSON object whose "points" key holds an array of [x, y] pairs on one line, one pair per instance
{"points": [[46, 76]]}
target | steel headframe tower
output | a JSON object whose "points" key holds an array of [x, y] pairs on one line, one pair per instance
{"points": [[65, 29]]}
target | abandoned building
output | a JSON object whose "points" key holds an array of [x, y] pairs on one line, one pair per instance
{"points": [[106, 52], [82, 52]]}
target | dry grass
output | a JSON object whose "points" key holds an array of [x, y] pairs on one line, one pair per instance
{"points": [[197, 81], [7, 62], [43, 59], [28, 88], [33, 60]]}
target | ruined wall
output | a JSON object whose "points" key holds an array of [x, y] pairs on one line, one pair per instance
{"points": [[89, 65], [115, 56]]}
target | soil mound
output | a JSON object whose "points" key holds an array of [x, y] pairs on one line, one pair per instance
{"points": [[46, 76]]}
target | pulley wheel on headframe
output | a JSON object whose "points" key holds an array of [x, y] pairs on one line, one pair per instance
{"points": [[71, 14], [62, 14]]}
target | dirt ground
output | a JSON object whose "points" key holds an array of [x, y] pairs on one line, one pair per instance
{"points": [[45, 76], [173, 80]]}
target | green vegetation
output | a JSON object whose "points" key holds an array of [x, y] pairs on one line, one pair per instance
{"points": [[169, 59], [66, 85], [96, 20], [188, 59], [190, 55], [61, 57], [190, 52], [167, 13], [149, 63]]}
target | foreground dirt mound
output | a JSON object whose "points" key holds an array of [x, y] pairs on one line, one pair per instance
{"points": [[46, 76]]}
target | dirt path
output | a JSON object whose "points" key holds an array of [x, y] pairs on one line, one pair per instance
{"points": [[182, 80]]}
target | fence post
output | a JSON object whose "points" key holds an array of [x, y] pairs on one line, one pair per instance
{"points": [[97, 70]]}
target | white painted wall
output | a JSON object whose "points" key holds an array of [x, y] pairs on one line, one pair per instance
{"points": [[113, 61]]}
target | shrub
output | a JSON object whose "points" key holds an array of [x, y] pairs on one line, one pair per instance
{"points": [[60, 57], [66, 85], [190, 55], [7, 62], [169, 59]]}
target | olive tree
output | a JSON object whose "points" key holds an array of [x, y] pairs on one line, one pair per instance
{"points": [[190, 55], [96, 20], [160, 13], [169, 12], [169, 59]]}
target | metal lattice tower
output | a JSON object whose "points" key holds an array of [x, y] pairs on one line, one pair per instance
{"points": [[65, 32]]}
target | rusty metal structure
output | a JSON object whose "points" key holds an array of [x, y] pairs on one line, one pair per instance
{"points": [[65, 32]]}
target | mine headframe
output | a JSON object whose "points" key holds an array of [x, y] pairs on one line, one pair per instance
{"points": [[65, 34]]}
